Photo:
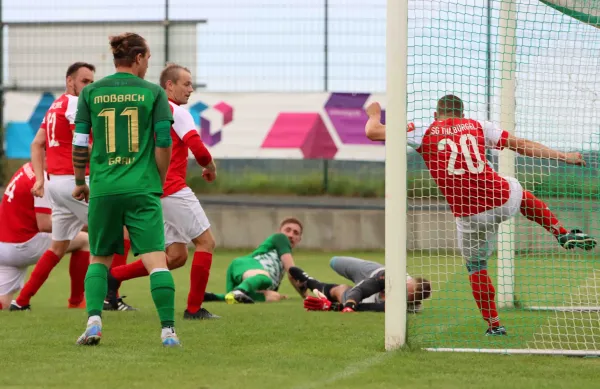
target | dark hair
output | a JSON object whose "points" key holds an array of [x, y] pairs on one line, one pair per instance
{"points": [[291, 220], [171, 73], [78, 65], [126, 47], [450, 105], [422, 289]]}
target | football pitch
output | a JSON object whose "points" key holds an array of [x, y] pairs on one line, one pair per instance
{"points": [[276, 345]]}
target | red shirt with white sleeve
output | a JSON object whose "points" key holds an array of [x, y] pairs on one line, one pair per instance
{"points": [[185, 137], [454, 152], [19, 206]]}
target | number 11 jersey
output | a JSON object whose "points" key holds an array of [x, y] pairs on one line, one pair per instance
{"points": [[454, 152], [122, 110]]}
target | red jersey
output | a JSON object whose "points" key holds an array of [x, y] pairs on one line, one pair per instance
{"points": [[59, 123], [19, 206], [182, 129], [454, 152]]}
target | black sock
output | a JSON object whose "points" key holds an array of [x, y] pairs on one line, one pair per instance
{"points": [[327, 291]]}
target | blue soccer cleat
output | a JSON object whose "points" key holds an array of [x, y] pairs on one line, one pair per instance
{"points": [[169, 337], [92, 334]]}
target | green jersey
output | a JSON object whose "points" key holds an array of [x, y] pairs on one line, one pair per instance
{"points": [[122, 110], [269, 255]]}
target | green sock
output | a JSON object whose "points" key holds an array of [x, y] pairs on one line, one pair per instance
{"points": [[254, 283], [163, 294], [95, 288]]}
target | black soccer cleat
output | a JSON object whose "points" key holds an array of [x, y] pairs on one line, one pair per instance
{"points": [[16, 307], [112, 295], [576, 238], [496, 331], [118, 305], [202, 314]]}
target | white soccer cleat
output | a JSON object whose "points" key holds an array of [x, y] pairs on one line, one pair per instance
{"points": [[169, 337], [92, 334]]}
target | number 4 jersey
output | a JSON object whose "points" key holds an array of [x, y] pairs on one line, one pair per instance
{"points": [[454, 152], [122, 110]]}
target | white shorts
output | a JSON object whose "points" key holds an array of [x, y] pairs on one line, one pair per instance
{"points": [[68, 215], [477, 233], [184, 218], [16, 257]]}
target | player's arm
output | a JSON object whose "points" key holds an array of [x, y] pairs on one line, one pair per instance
{"points": [[284, 250], [43, 213], [530, 148], [38, 147], [374, 129], [364, 289], [185, 128], [81, 141], [162, 120]]}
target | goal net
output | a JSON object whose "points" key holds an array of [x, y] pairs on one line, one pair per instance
{"points": [[531, 67]]}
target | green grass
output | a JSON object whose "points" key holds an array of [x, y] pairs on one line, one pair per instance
{"points": [[278, 345]]}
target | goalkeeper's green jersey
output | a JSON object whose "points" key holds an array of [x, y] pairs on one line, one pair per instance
{"points": [[269, 253], [122, 110]]}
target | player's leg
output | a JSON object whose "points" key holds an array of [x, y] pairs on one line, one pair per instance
{"points": [[354, 269], [11, 280], [144, 220], [475, 240], [333, 292], [247, 276], [105, 239], [78, 266]]}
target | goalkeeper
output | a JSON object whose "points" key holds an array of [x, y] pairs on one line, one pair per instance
{"points": [[368, 293], [256, 277]]}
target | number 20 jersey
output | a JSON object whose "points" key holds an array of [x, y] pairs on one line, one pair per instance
{"points": [[454, 152], [122, 110]]}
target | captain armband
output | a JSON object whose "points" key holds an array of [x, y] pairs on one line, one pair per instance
{"points": [[81, 140]]}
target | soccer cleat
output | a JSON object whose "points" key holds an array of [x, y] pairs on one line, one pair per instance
{"points": [[16, 307], [76, 306], [92, 334], [576, 238], [238, 297], [496, 331], [202, 314], [169, 337], [299, 274], [118, 305]]}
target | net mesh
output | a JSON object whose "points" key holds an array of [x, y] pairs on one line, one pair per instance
{"points": [[548, 296]]}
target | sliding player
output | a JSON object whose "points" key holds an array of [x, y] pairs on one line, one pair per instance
{"points": [[25, 235], [453, 148], [256, 277], [368, 292], [130, 119], [68, 216], [184, 218]]}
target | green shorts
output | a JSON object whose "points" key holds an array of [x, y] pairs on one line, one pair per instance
{"points": [[140, 213], [235, 273]]}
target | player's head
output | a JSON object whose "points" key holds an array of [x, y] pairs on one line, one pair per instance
{"points": [[176, 80], [449, 106], [292, 228], [78, 76], [418, 289], [130, 52]]}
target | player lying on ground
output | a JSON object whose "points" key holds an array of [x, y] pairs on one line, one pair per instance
{"points": [[130, 120], [453, 148], [184, 218], [368, 292], [25, 236], [53, 142], [256, 277]]}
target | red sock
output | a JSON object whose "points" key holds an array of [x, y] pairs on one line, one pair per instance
{"points": [[120, 260], [80, 260], [198, 280], [40, 274], [537, 211], [132, 270], [485, 296]]}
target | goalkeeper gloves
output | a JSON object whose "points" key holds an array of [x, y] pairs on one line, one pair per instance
{"points": [[317, 304]]}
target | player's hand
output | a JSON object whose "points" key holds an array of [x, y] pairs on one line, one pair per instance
{"points": [[317, 304], [209, 175], [574, 159], [81, 193], [374, 111], [38, 189]]}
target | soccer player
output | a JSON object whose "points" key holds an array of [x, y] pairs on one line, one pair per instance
{"points": [[184, 218], [368, 293], [25, 234], [453, 148], [68, 216], [257, 276], [130, 120]]}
